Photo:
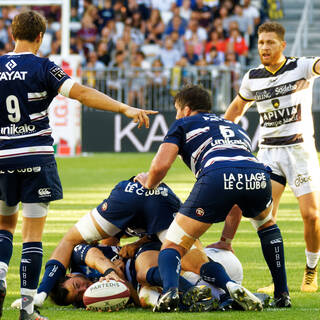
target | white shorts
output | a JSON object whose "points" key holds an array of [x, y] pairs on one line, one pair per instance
{"points": [[298, 164]]}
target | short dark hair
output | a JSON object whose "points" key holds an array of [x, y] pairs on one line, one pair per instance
{"points": [[272, 26], [28, 25], [195, 97], [59, 293]]}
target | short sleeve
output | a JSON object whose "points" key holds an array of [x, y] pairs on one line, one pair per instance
{"points": [[175, 134], [245, 93], [308, 65], [55, 76]]}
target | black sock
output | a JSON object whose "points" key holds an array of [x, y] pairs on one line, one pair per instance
{"points": [[272, 248]]}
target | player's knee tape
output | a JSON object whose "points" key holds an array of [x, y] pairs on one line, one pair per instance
{"points": [[109, 228], [6, 210], [35, 210], [258, 223], [178, 236], [87, 229]]}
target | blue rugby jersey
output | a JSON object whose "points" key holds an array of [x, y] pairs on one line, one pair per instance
{"points": [[207, 141], [28, 84]]}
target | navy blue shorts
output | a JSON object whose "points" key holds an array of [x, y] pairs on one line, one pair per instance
{"points": [[134, 208], [30, 185], [217, 191]]}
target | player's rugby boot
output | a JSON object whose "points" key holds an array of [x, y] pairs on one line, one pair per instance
{"points": [[195, 294], [283, 301], [246, 299], [168, 302], [264, 298], [33, 316], [205, 305], [268, 289], [310, 280], [3, 291]]}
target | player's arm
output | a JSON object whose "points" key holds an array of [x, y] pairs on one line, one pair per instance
{"points": [[317, 67], [160, 165], [128, 251], [98, 100], [237, 109], [95, 259]]}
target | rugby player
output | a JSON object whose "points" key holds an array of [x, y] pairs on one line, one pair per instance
{"points": [[28, 172], [282, 89], [219, 154]]}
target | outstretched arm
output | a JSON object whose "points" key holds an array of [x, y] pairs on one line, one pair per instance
{"points": [[98, 100]]}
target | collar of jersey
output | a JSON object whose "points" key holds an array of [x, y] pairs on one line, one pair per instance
{"points": [[18, 53], [280, 67]]}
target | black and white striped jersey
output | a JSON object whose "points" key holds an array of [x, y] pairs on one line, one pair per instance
{"points": [[284, 100]]}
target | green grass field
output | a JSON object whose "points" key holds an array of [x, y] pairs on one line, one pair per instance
{"points": [[88, 180]]}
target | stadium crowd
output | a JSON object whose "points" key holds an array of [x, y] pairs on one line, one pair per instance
{"points": [[177, 32]]}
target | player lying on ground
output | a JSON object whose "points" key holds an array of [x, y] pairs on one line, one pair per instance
{"points": [[219, 154], [129, 206]]}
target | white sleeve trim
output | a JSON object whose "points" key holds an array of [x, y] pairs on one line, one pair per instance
{"points": [[66, 87]]}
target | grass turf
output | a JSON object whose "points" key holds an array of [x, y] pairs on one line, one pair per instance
{"points": [[88, 180]]}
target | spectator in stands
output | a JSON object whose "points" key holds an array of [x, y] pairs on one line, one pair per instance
{"points": [[245, 23], [205, 15], [235, 68], [194, 28], [225, 17], [107, 12], [74, 16], [177, 24], [168, 55], [178, 42], [204, 77], [137, 81], [198, 46], [88, 31], [214, 57], [103, 53], [190, 54], [138, 28], [106, 37], [154, 28], [219, 42], [3, 32], [185, 10], [157, 77], [237, 43], [251, 12]]}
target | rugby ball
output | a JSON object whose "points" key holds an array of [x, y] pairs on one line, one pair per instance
{"points": [[106, 295]]}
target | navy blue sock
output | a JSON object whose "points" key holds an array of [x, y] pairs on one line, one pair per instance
{"points": [[30, 265], [272, 248], [169, 266], [6, 238], [154, 279], [213, 272], [54, 270]]}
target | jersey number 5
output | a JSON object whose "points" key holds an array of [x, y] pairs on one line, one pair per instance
{"points": [[13, 108]]}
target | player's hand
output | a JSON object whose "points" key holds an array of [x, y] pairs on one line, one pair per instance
{"points": [[139, 116], [128, 251], [221, 245], [111, 276], [142, 177]]}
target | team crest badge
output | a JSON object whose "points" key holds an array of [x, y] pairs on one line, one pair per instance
{"points": [[199, 212], [104, 206], [275, 103]]}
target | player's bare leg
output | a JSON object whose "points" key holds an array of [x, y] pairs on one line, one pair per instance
{"points": [[309, 208]]}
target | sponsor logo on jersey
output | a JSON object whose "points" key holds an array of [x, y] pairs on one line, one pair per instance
{"points": [[278, 117], [44, 192], [275, 103], [26, 260], [57, 72], [279, 240], [199, 212], [13, 75], [10, 65], [23, 170], [281, 90], [14, 130]]}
